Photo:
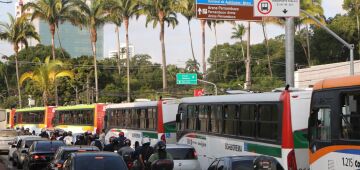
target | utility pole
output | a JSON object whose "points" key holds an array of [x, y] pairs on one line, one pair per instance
{"points": [[247, 85], [289, 50]]}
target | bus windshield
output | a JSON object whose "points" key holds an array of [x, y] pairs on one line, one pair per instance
{"points": [[74, 117]]}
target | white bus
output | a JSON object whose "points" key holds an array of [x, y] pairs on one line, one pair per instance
{"points": [[272, 124], [334, 124], [152, 119]]}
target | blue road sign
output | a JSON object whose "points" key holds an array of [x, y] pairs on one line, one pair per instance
{"points": [[226, 2]]}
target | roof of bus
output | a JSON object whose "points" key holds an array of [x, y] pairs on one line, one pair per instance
{"points": [[251, 97], [31, 109], [134, 104], [338, 82], [76, 107]]}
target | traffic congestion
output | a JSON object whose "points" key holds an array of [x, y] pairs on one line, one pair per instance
{"points": [[284, 129]]}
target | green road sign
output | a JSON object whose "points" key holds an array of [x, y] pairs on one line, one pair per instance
{"points": [[186, 78]]}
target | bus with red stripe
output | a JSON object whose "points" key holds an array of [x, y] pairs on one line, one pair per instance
{"points": [[151, 119], [272, 124], [34, 118], [80, 118], [334, 124]]}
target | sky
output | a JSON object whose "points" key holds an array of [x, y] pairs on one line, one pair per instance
{"points": [[178, 51]]}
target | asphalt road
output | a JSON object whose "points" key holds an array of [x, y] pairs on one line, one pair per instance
{"points": [[5, 164]]}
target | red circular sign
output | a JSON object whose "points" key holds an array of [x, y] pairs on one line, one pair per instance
{"points": [[264, 7]]}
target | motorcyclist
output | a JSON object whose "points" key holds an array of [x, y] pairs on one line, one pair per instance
{"points": [[126, 152], [121, 139], [44, 134], [142, 154], [27, 132], [112, 146], [97, 142], [80, 140], [161, 154], [68, 139]]}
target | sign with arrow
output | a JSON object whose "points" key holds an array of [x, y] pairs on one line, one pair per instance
{"points": [[276, 8], [225, 10]]}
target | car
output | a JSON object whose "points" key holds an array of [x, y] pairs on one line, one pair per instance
{"points": [[233, 162], [64, 152], [21, 148], [95, 161], [185, 156], [12, 145], [40, 154], [6, 136]]}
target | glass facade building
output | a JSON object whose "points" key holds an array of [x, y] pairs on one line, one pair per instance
{"points": [[74, 40]]}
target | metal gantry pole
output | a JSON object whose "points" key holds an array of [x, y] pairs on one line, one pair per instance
{"points": [[215, 87], [349, 46], [289, 50]]}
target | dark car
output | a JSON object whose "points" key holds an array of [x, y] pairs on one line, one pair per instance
{"points": [[233, 162], [64, 152], [22, 147], [41, 153], [94, 161]]}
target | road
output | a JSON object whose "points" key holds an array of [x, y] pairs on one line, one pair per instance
{"points": [[5, 164]]}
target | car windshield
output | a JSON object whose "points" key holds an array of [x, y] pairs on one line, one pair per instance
{"points": [[243, 165], [99, 163], [182, 153], [49, 146], [8, 133]]}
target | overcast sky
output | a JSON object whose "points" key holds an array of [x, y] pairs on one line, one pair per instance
{"points": [[146, 40]]}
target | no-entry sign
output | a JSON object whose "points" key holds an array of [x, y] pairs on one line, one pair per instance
{"points": [[276, 8], [225, 10]]}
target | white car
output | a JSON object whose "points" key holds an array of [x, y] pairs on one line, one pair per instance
{"points": [[6, 136], [185, 156], [12, 147]]}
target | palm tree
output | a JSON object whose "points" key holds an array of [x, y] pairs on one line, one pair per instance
{"points": [[117, 20], [160, 12], [192, 66], [238, 33], [314, 8], [94, 15], [187, 8], [15, 32], [44, 76], [126, 9], [53, 12]]}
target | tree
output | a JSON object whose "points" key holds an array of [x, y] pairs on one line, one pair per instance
{"points": [[160, 12], [3, 73], [18, 31], [126, 9], [44, 76], [238, 33], [53, 12], [192, 66], [353, 8], [187, 8], [94, 15]]}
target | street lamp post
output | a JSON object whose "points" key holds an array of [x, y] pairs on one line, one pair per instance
{"points": [[215, 87]]}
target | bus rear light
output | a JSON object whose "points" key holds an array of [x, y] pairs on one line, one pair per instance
{"points": [[58, 165], [291, 161], [38, 157]]}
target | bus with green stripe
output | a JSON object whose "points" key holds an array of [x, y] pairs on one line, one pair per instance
{"points": [[80, 118], [34, 118], [272, 124], [151, 119]]}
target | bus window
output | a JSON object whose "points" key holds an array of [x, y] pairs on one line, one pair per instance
{"points": [[143, 118], [350, 117], [323, 129], [247, 120], [190, 117], [197, 117], [203, 118], [229, 118], [220, 118], [214, 124], [268, 121]]}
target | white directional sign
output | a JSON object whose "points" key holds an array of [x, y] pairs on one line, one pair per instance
{"points": [[276, 8]]}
